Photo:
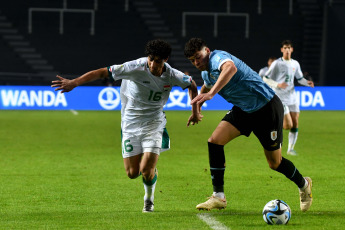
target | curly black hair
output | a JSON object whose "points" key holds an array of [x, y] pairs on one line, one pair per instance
{"points": [[193, 45], [158, 48], [287, 43]]}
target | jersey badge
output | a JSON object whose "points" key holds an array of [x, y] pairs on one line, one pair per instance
{"points": [[274, 135], [166, 87]]}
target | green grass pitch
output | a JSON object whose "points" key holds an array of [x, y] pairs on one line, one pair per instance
{"points": [[64, 171]]}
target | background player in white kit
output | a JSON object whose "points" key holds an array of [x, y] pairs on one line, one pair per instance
{"points": [[263, 70], [285, 69], [145, 88], [270, 82]]}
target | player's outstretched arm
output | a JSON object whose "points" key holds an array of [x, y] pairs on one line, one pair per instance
{"points": [[66, 85], [228, 70], [311, 84], [273, 84], [196, 115], [306, 82]]}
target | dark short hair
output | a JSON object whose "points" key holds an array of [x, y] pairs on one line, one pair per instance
{"points": [[287, 43], [193, 45], [158, 48]]}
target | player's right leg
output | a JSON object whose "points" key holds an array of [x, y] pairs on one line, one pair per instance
{"points": [[287, 123], [224, 133], [131, 153], [132, 166]]}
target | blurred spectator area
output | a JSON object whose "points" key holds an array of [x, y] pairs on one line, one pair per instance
{"points": [[120, 35]]}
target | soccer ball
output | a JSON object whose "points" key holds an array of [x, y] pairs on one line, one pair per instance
{"points": [[276, 212]]}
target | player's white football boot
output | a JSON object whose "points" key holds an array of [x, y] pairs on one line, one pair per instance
{"points": [[292, 152], [212, 203], [306, 196], [148, 206]]}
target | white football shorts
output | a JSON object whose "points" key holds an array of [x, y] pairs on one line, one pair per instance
{"points": [[148, 136], [291, 108]]}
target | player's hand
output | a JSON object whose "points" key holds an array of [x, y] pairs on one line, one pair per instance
{"points": [[194, 119], [282, 85], [63, 84], [311, 84], [201, 98]]}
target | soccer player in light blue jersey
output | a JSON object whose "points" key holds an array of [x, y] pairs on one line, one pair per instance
{"points": [[256, 109]]}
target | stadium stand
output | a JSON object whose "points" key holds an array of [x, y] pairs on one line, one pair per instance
{"points": [[121, 33]]}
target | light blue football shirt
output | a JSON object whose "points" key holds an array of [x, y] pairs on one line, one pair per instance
{"points": [[246, 89]]}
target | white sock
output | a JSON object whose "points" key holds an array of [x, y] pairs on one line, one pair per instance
{"points": [[150, 188], [219, 194], [149, 191], [305, 185], [292, 140]]}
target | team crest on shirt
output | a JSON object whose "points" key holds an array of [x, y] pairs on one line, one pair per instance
{"points": [[274, 135], [166, 87]]}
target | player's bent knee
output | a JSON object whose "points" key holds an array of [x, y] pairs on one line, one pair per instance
{"points": [[214, 141], [148, 175], [287, 126], [132, 174], [148, 171], [274, 164]]}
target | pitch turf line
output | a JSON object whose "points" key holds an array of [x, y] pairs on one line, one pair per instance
{"points": [[212, 222], [74, 112]]}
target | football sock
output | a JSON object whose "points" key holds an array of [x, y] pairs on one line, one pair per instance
{"points": [[305, 185], [217, 166], [287, 168], [219, 195], [293, 134], [149, 187]]}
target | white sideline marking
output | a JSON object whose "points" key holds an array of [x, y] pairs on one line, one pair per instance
{"points": [[212, 222], [74, 112]]}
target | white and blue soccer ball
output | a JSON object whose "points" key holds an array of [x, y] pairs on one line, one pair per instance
{"points": [[276, 212]]}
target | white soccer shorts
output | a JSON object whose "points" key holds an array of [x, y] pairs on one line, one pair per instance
{"points": [[291, 108], [149, 136]]}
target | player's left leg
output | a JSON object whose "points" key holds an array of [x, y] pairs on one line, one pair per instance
{"points": [[153, 141], [270, 134], [150, 174], [286, 167], [287, 123]]}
